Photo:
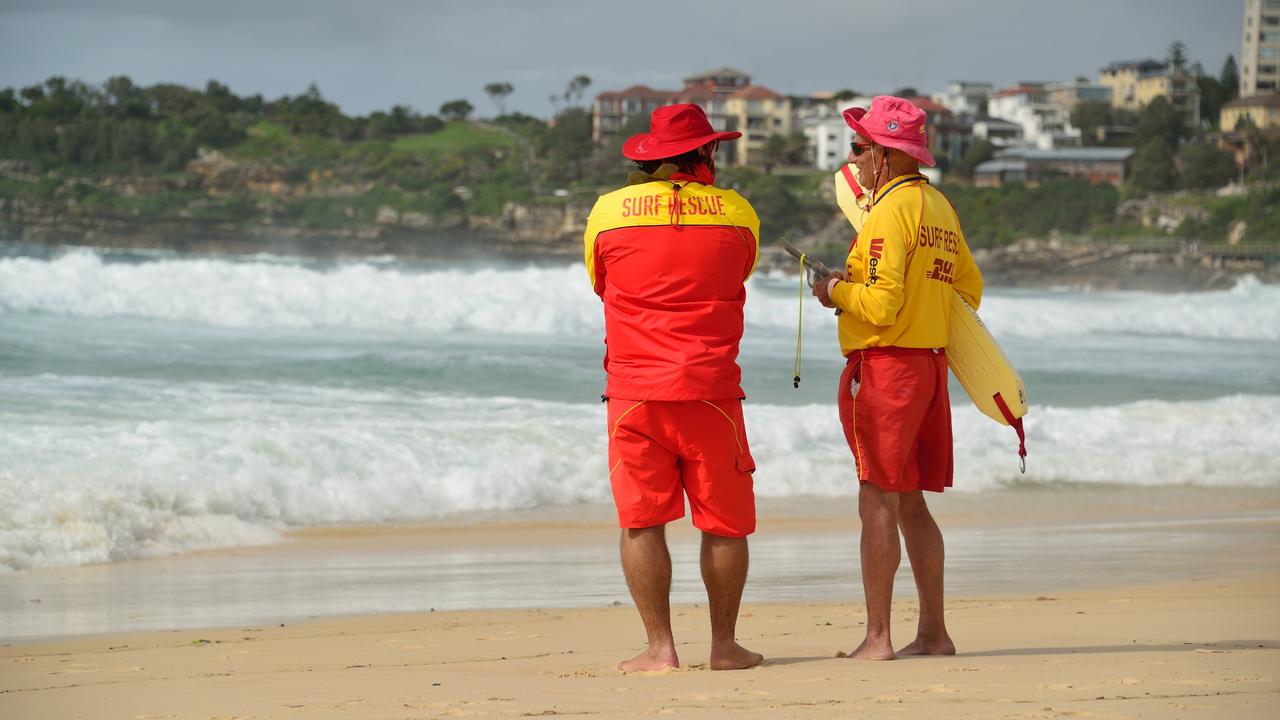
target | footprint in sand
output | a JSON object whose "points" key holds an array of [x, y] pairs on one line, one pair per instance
{"points": [[940, 689]]}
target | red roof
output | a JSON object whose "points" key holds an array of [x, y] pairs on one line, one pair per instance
{"points": [[1018, 90], [757, 92], [639, 92], [695, 94], [929, 106]]}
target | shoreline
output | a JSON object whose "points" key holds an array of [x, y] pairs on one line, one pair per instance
{"points": [[1016, 541], [1183, 650]]}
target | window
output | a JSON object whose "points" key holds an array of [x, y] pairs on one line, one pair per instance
{"points": [[1266, 69], [1271, 21], [1267, 54]]}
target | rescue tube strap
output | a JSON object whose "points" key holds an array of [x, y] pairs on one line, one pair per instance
{"points": [[795, 382], [1016, 424]]}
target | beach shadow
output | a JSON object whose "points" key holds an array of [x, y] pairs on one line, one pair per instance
{"points": [[1220, 646], [794, 660]]}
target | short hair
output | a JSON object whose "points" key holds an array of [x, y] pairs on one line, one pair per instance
{"points": [[685, 161]]}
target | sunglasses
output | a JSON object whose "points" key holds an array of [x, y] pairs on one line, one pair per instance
{"points": [[858, 148]]}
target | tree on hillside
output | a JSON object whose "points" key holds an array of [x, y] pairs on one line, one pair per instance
{"points": [[773, 153], [1213, 94], [1230, 77], [1089, 116], [1153, 168], [568, 145], [458, 109], [1206, 166], [1176, 57], [32, 94], [844, 95], [577, 86], [1160, 121], [981, 152], [906, 92], [498, 92]]}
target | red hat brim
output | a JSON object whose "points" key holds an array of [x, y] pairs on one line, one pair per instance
{"points": [[853, 117], [644, 146]]}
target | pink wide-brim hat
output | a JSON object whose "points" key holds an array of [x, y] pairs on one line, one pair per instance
{"points": [[894, 123], [674, 130]]}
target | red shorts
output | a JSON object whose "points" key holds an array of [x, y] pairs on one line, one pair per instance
{"points": [[659, 451], [897, 417]]}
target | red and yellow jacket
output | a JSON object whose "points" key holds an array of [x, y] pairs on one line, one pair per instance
{"points": [[670, 261], [908, 258]]}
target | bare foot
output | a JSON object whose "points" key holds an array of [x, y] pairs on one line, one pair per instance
{"points": [[872, 650], [929, 646], [734, 658], [655, 658]]}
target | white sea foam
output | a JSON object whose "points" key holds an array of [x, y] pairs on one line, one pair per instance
{"points": [[541, 300], [233, 465]]}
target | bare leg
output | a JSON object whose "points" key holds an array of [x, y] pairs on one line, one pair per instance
{"points": [[647, 565], [724, 572], [881, 554], [925, 549]]}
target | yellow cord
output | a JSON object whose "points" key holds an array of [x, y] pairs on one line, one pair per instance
{"points": [[795, 382]]}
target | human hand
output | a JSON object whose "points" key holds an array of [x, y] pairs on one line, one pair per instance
{"points": [[821, 286]]}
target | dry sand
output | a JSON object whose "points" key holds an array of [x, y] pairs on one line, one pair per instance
{"points": [[1191, 650]]}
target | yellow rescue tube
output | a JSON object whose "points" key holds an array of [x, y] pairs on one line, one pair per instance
{"points": [[980, 365], [977, 361]]}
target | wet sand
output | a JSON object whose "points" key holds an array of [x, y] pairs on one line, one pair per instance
{"points": [[1089, 602]]}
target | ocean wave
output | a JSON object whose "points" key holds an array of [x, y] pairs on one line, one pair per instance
{"points": [[220, 466], [280, 293]]}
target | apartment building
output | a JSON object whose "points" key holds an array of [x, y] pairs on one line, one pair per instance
{"points": [[1070, 94], [726, 95], [1260, 61], [1045, 124], [1260, 111], [758, 113], [1135, 83], [966, 98]]}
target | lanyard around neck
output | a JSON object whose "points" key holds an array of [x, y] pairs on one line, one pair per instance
{"points": [[897, 183]]}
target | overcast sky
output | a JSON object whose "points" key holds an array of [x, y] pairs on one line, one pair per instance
{"points": [[373, 54]]}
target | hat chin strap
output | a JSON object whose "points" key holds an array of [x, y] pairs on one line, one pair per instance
{"points": [[875, 178]]}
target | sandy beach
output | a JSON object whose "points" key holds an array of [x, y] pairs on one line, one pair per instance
{"points": [[1192, 650], [1167, 633]]}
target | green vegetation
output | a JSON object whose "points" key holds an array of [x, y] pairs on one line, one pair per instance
{"points": [[997, 216], [1260, 210], [167, 152]]}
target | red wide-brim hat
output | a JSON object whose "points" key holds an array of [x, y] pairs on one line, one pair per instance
{"points": [[894, 123], [674, 130]]}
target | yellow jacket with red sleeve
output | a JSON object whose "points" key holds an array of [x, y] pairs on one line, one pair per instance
{"points": [[908, 258], [670, 261]]}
